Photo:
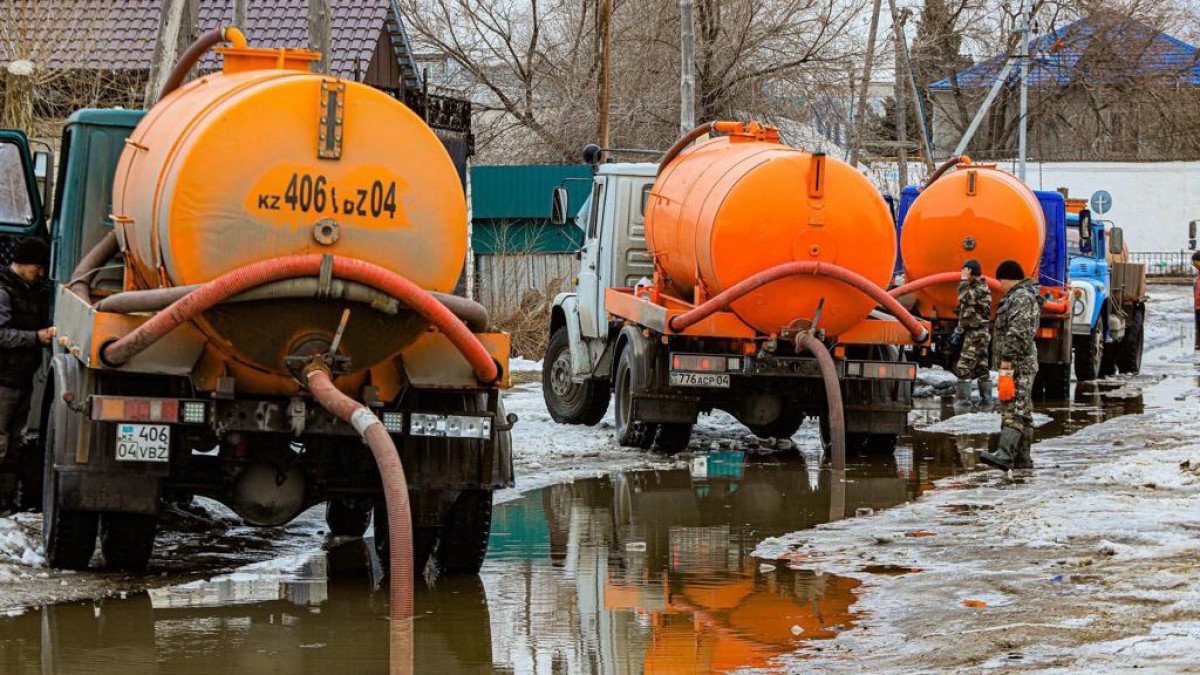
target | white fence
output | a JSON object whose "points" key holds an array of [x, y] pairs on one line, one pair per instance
{"points": [[505, 279]]}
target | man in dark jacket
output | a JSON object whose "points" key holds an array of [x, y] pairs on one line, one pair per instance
{"points": [[24, 317], [974, 309], [1015, 354]]}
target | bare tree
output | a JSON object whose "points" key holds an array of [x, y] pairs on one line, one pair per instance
{"points": [[533, 65]]}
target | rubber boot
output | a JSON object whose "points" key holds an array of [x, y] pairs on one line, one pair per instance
{"points": [[1024, 458], [986, 400], [962, 395], [1005, 456]]}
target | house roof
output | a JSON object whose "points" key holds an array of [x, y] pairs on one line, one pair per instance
{"points": [[120, 34], [1087, 48]]}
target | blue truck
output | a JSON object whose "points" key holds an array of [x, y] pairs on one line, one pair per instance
{"points": [[1055, 339], [1108, 310]]}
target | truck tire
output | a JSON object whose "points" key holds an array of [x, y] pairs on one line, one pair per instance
{"points": [[127, 540], [1129, 349], [68, 536], [1088, 351], [784, 426], [629, 377], [464, 540], [1053, 382], [346, 517], [1108, 360], [570, 402], [673, 438], [424, 540]]}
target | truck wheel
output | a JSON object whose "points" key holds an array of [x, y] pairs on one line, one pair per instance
{"points": [[673, 438], [1108, 360], [1053, 382], [68, 536], [1129, 350], [570, 402], [630, 432], [347, 517], [1088, 352], [465, 533], [127, 540], [784, 426], [424, 540]]}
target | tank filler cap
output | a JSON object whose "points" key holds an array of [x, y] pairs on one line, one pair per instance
{"points": [[969, 244], [326, 231]]}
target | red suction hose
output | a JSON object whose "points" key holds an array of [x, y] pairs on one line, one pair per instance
{"points": [[256, 274], [849, 277], [806, 342], [935, 279]]}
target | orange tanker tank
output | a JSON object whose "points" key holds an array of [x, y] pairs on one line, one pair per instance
{"points": [[267, 159], [979, 212], [736, 205]]}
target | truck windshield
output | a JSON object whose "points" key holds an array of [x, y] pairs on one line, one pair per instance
{"points": [[15, 207]]}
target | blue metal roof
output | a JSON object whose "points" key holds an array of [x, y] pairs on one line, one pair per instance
{"points": [[1062, 56]]}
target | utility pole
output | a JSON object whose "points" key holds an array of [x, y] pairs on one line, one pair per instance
{"points": [[898, 89], [239, 13], [1022, 130], [860, 115], [318, 33], [176, 26], [687, 69], [604, 28], [906, 67]]}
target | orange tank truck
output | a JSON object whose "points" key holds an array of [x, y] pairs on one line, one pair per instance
{"points": [[272, 230], [978, 211], [716, 279]]}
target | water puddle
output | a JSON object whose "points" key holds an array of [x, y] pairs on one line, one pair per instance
{"points": [[643, 571]]}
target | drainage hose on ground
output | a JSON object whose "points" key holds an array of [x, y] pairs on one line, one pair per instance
{"points": [[391, 473], [851, 278], [264, 272], [806, 342]]}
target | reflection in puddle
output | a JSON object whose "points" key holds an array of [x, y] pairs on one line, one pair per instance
{"points": [[646, 571]]}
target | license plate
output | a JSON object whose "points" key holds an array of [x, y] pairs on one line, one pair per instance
{"points": [[717, 380], [143, 442]]}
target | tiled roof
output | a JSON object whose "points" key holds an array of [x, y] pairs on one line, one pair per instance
{"points": [[120, 34], [1069, 53]]}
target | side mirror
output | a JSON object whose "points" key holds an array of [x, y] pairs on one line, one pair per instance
{"points": [[43, 164], [1192, 235], [593, 154], [1116, 241], [646, 196], [1085, 231], [560, 205]]}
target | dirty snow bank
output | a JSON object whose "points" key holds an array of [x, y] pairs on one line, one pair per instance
{"points": [[967, 423], [1087, 564], [546, 452], [20, 545]]}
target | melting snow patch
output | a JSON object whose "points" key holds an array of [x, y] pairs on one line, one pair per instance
{"points": [[523, 365], [19, 541], [973, 423]]}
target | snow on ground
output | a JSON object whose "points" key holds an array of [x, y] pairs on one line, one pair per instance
{"points": [[1170, 315], [967, 423], [20, 545], [518, 364], [546, 452], [1087, 563]]}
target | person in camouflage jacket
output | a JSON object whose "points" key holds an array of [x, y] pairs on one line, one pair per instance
{"points": [[974, 309], [1014, 350]]}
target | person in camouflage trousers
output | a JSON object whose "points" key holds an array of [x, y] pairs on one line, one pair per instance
{"points": [[1014, 351], [974, 308]]}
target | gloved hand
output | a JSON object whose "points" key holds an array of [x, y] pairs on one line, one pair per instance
{"points": [[956, 339], [1006, 387]]}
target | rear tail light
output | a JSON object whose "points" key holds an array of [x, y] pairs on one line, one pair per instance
{"points": [[704, 363], [141, 409], [881, 371], [1047, 332]]}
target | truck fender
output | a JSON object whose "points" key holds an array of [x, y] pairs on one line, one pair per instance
{"points": [[67, 376], [631, 337], [566, 313], [1084, 309]]}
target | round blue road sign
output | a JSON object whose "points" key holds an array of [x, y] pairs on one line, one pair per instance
{"points": [[1101, 201]]}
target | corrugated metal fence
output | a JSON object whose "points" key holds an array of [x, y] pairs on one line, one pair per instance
{"points": [[506, 281], [1165, 263]]}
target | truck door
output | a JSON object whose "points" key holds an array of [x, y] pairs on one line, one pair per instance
{"points": [[629, 260], [591, 314], [20, 199]]}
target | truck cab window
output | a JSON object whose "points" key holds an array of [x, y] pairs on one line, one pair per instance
{"points": [[15, 207], [594, 217]]}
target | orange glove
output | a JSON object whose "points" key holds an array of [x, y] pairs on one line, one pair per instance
{"points": [[1006, 388]]}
